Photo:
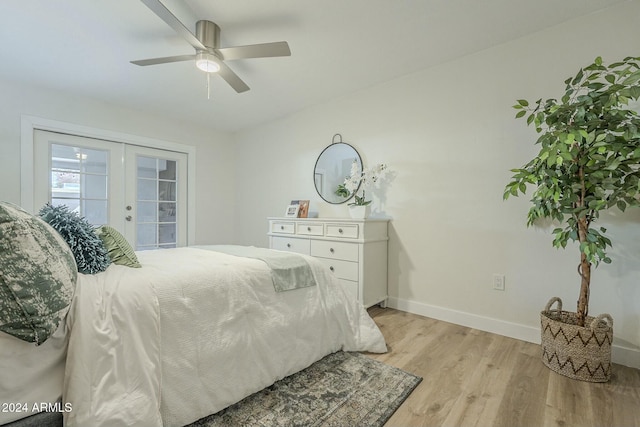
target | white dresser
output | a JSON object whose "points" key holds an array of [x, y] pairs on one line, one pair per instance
{"points": [[355, 250]]}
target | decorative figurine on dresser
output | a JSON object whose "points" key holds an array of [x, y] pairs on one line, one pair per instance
{"points": [[355, 250]]}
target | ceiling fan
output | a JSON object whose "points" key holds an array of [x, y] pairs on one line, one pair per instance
{"points": [[209, 56]]}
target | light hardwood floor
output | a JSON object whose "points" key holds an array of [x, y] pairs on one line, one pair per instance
{"points": [[475, 378]]}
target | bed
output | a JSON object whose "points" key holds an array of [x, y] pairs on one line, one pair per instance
{"points": [[193, 331]]}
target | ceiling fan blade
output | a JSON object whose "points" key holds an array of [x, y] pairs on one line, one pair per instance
{"points": [[163, 13], [232, 78], [165, 60], [264, 50]]}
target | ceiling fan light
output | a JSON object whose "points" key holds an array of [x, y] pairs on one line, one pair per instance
{"points": [[207, 62]]}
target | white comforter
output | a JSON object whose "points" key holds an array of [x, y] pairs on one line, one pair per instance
{"points": [[195, 331]]}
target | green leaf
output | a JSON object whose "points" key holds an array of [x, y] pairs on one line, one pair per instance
{"points": [[633, 78], [567, 156], [523, 102], [578, 77], [610, 78], [520, 114], [530, 119], [613, 165]]}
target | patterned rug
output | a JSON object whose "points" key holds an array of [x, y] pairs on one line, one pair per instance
{"points": [[343, 389]]}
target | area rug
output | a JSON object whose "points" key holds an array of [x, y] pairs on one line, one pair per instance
{"points": [[343, 389]]}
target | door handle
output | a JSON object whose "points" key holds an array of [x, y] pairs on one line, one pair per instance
{"points": [[128, 217]]}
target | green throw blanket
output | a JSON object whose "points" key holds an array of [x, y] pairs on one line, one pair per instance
{"points": [[288, 270]]}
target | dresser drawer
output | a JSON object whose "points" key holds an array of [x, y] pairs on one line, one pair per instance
{"points": [[310, 229], [342, 269], [335, 250], [349, 231], [283, 227], [290, 244]]}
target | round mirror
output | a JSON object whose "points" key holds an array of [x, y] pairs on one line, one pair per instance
{"points": [[332, 167]]}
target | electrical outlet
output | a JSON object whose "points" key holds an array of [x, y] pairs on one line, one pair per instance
{"points": [[498, 282]]}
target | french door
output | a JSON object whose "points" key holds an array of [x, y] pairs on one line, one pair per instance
{"points": [[156, 202], [139, 191]]}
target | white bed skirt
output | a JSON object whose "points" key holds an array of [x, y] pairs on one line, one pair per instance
{"points": [[30, 376]]}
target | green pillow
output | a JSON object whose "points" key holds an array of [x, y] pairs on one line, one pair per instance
{"points": [[88, 250], [37, 276], [119, 250]]}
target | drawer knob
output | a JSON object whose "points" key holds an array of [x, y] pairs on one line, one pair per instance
{"points": [[288, 245], [331, 250], [340, 230], [308, 228], [282, 227], [331, 268]]}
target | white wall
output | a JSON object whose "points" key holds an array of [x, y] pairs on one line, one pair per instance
{"points": [[450, 135], [214, 150]]}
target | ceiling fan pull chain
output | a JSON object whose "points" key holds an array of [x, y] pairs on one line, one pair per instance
{"points": [[208, 86]]}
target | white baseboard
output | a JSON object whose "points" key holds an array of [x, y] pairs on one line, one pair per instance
{"points": [[619, 354]]}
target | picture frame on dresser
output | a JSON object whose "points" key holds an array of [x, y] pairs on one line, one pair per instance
{"points": [[303, 212], [292, 211]]}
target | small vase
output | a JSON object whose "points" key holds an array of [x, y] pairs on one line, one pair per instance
{"points": [[359, 212]]}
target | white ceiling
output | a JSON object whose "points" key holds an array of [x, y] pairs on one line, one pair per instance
{"points": [[338, 47]]}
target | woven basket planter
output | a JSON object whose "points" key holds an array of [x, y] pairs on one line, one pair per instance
{"points": [[581, 353]]}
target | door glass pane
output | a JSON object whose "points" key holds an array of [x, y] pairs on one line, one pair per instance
{"points": [[147, 167], [167, 190], [147, 212], [167, 234], [95, 161], [94, 187], [157, 215], [167, 212], [79, 180], [147, 236], [73, 205], [167, 169], [95, 211], [65, 184], [147, 189]]}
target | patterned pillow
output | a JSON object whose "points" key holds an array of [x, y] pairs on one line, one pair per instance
{"points": [[37, 276], [88, 250], [120, 251]]}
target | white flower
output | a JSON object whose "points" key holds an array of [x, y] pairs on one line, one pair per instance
{"points": [[363, 180]]}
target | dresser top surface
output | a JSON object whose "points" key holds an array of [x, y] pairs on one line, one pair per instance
{"points": [[284, 218]]}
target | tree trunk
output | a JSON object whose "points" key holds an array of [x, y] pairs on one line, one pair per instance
{"points": [[583, 300], [585, 273]]}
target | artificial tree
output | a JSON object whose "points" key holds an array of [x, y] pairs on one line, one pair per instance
{"points": [[589, 159]]}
